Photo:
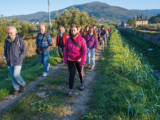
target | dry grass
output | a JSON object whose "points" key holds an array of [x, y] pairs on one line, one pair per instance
{"points": [[30, 45]]}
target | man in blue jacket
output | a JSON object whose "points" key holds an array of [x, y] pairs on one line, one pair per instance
{"points": [[14, 53], [44, 41]]}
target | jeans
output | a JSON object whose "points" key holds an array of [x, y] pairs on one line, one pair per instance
{"points": [[91, 57], [43, 58], [61, 51], [16, 77]]}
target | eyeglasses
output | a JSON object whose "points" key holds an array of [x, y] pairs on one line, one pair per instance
{"points": [[10, 33]]}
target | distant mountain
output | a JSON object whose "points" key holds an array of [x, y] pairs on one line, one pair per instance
{"points": [[98, 9], [152, 11]]}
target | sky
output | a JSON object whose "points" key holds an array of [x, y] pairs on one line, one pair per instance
{"points": [[23, 7]]}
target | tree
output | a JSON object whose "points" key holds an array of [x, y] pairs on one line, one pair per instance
{"points": [[155, 19], [74, 15], [131, 22], [137, 17], [122, 23]]}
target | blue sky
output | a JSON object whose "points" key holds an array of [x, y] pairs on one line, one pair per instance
{"points": [[19, 7]]}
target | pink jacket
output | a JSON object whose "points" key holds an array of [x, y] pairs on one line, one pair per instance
{"points": [[74, 53]]}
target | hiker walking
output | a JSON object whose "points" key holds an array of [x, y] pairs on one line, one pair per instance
{"points": [[60, 41], [103, 34], [86, 30], [44, 43], [14, 53], [75, 56], [92, 46]]}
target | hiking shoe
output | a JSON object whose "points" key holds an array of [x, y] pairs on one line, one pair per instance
{"points": [[15, 92], [81, 86], [44, 74], [92, 67], [69, 93], [22, 89], [48, 67]]}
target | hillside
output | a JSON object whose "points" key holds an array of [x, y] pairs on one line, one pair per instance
{"points": [[98, 9], [152, 11]]}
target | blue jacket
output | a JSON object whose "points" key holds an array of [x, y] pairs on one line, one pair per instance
{"points": [[45, 43], [14, 51]]}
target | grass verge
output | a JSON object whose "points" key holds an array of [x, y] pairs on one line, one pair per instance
{"points": [[126, 87], [142, 46]]}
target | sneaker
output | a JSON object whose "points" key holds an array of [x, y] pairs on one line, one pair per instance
{"points": [[22, 89], [81, 86], [92, 67], [15, 92], [44, 74], [48, 67], [69, 93]]}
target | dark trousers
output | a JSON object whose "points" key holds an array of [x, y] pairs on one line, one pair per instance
{"points": [[61, 51], [72, 65]]}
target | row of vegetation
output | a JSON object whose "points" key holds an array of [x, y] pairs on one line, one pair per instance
{"points": [[127, 88], [24, 29], [150, 27]]}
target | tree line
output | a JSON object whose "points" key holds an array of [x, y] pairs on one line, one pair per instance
{"points": [[24, 28]]}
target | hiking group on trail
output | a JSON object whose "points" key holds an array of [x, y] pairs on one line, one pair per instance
{"points": [[74, 51]]}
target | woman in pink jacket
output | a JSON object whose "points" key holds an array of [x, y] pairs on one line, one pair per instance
{"points": [[75, 55]]}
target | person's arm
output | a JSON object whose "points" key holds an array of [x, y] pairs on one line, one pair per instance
{"points": [[66, 51], [5, 49], [84, 53], [96, 43], [57, 41], [23, 50], [37, 41], [65, 38]]}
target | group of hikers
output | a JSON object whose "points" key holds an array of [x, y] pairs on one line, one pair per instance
{"points": [[73, 50]]}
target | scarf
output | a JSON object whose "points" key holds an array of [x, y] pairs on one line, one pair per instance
{"points": [[60, 34], [90, 33]]}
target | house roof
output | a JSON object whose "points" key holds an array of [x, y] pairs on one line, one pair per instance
{"points": [[142, 20]]}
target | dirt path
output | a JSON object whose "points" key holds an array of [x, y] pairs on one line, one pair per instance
{"points": [[74, 107], [11, 100], [80, 107]]}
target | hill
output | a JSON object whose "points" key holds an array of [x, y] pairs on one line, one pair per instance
{"points": [[152, 11], [98, 9]]}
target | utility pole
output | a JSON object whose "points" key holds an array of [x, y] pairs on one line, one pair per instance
{"points": [[49, 15]]}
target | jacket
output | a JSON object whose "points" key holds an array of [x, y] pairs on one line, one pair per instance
{"points": [[74, 53], [14, 51], [64, 39], [91, 41]]}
